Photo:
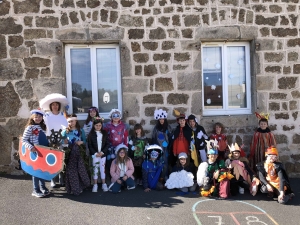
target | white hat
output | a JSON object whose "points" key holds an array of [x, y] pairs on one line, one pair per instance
{"points": [[37, 111], [119, 147], [160, 114], [148, 147], [114, 111], [55, 97], [182, 155]]}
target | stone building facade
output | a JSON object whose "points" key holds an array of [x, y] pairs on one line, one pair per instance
{"points": [[160, 52]]}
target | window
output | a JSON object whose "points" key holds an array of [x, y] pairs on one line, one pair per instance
{"points": [[93, 78], [226, 78]]}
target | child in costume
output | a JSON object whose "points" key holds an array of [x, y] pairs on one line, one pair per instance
{"points": [[55, 120], [117, 134], [98, 145], [77, 177], [34, 133], [137, 144], [262, 139], [211, 173], [199, 137], [273, 177], [218, 134], [121, 170], [161, 136], [243, 175], [152, 168], [88, 124], [182, 175], [181, 138]]}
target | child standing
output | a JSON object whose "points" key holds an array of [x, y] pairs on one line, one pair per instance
{"points": [[181, 139], [199, 137], [98, 145], [262, 139], [34, 133], [218, 134], [161, 136], [121, 170], [152, 168], [137, 145], [88, 125], [76, 175], [117, 134]]}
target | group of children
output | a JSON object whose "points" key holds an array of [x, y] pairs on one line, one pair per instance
{"points": [[170, 159]]}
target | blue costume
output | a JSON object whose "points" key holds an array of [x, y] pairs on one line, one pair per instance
{"points": [[151, 173]]}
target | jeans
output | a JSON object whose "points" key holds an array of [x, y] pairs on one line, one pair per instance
{"points": [[37, 182], [117, 187]]}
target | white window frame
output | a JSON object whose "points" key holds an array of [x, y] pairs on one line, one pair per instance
{"points": [[68, 47], [225, 110]]}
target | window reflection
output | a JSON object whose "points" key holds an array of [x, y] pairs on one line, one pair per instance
{"points": [[81, 80]]}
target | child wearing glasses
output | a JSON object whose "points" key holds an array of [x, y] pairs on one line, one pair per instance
{"points": [[117, 134]]}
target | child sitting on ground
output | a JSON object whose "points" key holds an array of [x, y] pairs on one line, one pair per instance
{"points": [[152, 168]]}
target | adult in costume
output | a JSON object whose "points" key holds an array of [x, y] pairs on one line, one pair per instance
{"points": [[55, 120], [273, 177]]}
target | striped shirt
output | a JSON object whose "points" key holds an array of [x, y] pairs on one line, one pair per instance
{"points": [[31, 136]]}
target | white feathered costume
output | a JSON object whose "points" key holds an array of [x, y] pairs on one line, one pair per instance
{"points": [[180, 180]]}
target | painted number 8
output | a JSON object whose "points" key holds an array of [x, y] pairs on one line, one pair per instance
{"points": [[253, 219]]}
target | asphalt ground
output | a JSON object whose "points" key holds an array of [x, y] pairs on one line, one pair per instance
{"points": [[137, 207]]}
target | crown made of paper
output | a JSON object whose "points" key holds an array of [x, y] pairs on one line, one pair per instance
{"points": [[98, 118], [212, 144], [262, 115], [234, 147]]}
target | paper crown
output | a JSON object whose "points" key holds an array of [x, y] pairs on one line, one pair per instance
{"points": [[271, 151], [160, 114], [234, 147], [262, 115], [96, 119], [212, 144]]}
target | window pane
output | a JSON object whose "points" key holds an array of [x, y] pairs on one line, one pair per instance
{"points": [[107, 79], [212, 77], [236, 71], [81, 79]]}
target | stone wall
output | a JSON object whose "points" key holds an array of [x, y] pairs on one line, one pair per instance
{"points": [[160, 59]]}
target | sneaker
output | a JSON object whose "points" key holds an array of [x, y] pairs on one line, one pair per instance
{"points": [[95, 188], [38, 194], [104, 187], [53, 184], [130, 188], [46, 192]]}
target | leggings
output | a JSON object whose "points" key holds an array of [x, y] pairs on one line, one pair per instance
{"points": [[99, 163]]}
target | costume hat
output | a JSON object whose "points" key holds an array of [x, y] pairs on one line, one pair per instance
{"points": [[182, 155], [192, 117], [113, 111], [120, 146], [160, 114], [262, 115], [234, 148], [55, 97], [272, 151], [37, 111]]}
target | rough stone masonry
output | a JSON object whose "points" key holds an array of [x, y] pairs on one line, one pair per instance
{"points": [[160, 60]]}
